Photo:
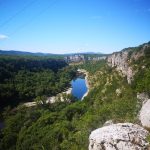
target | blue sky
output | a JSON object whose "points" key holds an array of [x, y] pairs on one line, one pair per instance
{"points": [[64, 26]]}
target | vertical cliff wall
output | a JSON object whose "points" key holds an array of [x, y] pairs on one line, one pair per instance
{"points": [[120, 61], [123, 60]]}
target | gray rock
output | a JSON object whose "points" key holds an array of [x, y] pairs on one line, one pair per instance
{"points": [[121, 136], [120, 61], [144, 116]]}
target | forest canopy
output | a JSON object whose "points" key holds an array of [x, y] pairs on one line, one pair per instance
{"points": [[23, 78]]}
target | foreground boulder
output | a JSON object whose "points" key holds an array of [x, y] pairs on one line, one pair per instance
{"points": [[145, 114], [121, 136]]}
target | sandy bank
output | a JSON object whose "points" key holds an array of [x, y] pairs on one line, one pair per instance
{"points": [[59, 96], [51, 99]]}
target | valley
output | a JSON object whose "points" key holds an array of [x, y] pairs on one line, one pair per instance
{"points": [[75, 75], [114, 102]]}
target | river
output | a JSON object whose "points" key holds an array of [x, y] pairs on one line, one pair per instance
{"points": [[79, 87]]}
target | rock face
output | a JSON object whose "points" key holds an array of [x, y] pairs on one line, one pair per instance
{"points": [[121, 136], [145, 114], [120, 61]]}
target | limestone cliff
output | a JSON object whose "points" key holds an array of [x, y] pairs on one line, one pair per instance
{"points": [[144, 114], [123, 60]]}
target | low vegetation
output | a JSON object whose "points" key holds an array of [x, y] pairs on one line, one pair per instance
{"points": [[141, 81]]}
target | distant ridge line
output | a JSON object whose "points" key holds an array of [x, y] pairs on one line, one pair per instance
{"points": [[17, 52]]}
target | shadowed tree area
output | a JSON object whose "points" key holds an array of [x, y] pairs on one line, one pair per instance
{"points": [[24, 78]]}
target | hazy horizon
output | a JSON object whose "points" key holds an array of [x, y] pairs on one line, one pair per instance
{"points": [[63, 26], [69, 52]]}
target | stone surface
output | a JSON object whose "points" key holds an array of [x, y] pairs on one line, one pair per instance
{"points": [[120, 61], [145, 114], [121, 136]]}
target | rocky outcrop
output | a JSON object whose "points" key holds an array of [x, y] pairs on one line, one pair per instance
{"points": [[121, 136], [145, 114], [125, 136], [120, 61]]}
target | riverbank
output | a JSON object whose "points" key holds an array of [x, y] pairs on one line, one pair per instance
{"points": [[86, 81], [60, 96], [52, 99]]}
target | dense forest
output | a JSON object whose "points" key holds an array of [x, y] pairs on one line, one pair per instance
{"points": [[67, 126], [62, 125], [23, 78]]}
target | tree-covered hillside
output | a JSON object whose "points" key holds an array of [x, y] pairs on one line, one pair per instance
{"points": [[64, 126], [25, 78], [29, 54], [67, 126], [142, 77]]}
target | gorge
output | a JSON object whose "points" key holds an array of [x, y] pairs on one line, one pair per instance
{"points": [[123, 136], [113, 115]]}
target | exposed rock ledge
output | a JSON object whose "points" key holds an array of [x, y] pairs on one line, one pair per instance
{"points": [[120, 61], [144, 114], [121, 136]]}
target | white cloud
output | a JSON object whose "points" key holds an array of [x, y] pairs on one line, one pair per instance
{"points": [[2, 37]]}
